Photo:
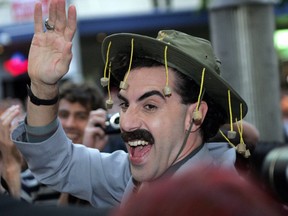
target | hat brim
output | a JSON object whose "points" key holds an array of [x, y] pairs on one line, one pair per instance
{"points": [[215, 86]]}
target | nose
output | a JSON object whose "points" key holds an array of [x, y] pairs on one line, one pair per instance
{"points": [[69, 121], [130, 120]]}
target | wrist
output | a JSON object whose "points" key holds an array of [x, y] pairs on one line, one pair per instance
{"points": [[47, 96], [44, 91]]}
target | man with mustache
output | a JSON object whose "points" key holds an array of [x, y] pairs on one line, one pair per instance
{"points": [[172, 100]]}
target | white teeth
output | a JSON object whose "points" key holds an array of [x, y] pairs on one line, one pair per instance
{"points": [[137, 143]]}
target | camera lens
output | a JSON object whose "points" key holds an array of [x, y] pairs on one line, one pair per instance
{"points": [[112, 124], [275, 171]]}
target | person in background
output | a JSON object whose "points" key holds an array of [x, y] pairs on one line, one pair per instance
{"points": [[11, 162], [17, 179], [81, 108], [82, 112]]}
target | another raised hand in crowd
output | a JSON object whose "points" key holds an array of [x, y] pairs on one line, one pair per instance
{"points": [[11, 158]]}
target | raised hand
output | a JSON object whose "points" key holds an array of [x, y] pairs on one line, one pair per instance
{"points": [[11, 157], [50, 52], [49, 58]]}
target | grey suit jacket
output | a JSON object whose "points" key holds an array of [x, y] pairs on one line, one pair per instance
{"points": [[104, 179]]}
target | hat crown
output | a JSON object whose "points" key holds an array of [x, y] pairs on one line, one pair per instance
{"points": [[198, 48]]}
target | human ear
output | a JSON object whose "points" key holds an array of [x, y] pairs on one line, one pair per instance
{"points": [[196, 115]]}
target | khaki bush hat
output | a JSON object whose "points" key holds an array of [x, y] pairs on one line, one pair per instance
{"points": [[186, 53]]}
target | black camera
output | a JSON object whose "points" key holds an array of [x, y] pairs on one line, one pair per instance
{"points": [[275, 171], [270, 164], [112, 124]]}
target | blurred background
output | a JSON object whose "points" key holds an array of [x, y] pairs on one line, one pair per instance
{"points": [[250, 37]]}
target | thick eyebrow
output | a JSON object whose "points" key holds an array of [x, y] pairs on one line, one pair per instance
{"points": [[121, 97], [151, 93], [144, 96]]}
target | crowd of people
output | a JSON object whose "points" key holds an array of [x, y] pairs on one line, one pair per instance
{"points": [[183, 149]]}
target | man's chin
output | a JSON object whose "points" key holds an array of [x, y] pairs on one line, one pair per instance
{"points": [[74, 138]]}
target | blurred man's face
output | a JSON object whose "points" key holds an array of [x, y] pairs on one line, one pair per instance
{"points": [[74, 118]]}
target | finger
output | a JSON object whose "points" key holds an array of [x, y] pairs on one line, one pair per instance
{"points": [[101, 110], [98, 112], [95, 123], [52, 12], [63, 64], [8, 111], [98, 131], [38, 25], [10, 116], [71, 24], [97, 120], [60, 22]]}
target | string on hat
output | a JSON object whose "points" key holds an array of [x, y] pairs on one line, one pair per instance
{"points": [[104, 80], [231, 134], [197, 115], [226, 138], [124, 84], [167, 90], [241, 147], [109, 102], [200, 97]]}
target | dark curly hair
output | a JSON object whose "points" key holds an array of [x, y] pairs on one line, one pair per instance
{"points": [[88, 95], [187, 88]]}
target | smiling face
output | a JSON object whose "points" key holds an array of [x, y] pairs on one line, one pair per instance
{"points": [[143, 106], [74, 118]]}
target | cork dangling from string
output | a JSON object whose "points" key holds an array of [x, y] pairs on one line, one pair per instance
{"points": [[197, 115], [105, 80], [226, 138], [109, 101], [167, 90], [231, 134], [241, 147], [123, 84]]}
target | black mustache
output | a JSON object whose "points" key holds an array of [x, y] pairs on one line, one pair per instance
{"points": [[140, 134]]}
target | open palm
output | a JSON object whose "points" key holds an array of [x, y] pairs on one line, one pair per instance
{"points": [[50, 52]]}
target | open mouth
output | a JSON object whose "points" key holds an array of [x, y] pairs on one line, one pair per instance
{"points": [[139, 145], [139, 150]]}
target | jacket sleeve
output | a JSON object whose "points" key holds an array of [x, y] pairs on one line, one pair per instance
{"points": [[84, 172]]}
